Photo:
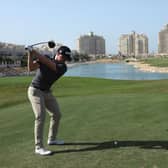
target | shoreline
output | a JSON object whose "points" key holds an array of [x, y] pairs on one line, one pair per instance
{"points": [[70, 65], [148, 68], [139, 65]]}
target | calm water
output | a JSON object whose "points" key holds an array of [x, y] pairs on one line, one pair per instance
{"points": [[113, 71]]}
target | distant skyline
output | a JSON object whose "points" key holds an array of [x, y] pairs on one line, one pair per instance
{"points": [[26, 22]]}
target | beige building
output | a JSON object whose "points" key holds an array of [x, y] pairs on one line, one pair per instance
{"points": [[163, 41], [91, 44], [133, 45], [11, 54]]}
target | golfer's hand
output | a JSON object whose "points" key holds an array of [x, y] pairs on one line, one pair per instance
{"points": [[29, 48]]}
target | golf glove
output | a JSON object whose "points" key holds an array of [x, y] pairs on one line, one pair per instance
{"points": [[29, 48]]}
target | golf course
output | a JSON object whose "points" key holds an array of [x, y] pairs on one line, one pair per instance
{"points": [[105, 124]]}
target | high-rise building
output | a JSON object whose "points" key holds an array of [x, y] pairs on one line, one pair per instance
{"points": [[124, 43], [133, 44], [163, 41], [91, 44]]}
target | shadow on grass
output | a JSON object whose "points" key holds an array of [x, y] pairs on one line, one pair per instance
{"points": [[95, 146]]}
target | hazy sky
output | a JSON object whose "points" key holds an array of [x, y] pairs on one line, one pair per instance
{"points": [[31, 21]]}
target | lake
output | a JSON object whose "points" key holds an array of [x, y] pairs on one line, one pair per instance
{"points": [[121, 71]]}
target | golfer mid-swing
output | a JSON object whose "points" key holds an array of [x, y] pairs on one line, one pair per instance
{"points": [[40, 95]]}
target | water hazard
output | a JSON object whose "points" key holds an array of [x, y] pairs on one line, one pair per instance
{"points": [[120, 71]]}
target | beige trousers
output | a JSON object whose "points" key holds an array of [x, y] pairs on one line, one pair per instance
{"points": [[42, 101]]}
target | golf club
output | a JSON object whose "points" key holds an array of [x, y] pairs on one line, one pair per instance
{"points": [[51, 44]]}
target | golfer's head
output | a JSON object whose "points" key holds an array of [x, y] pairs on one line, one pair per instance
{"points": [[64, 53]]}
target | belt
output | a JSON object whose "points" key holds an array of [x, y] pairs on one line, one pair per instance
{"points": [[44, 90]]}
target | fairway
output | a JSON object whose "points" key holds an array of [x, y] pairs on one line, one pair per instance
{"points": [[96, 113]]}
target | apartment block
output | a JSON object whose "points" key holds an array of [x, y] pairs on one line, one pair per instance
{"points": [[163, 41], [133, 44], [91, 44]]}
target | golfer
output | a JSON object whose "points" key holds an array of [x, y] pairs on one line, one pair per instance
{"points": [[40, 94]]}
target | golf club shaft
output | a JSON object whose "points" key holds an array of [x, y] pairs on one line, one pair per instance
{"points": [[51, 44], [56, 44], [38, 43]]}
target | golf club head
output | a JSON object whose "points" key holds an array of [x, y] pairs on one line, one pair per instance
{"points": [[51, 44]]}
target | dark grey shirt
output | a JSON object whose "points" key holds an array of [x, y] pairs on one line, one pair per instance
{"points": [[45, 77]]}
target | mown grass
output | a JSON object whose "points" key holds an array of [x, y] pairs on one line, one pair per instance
{"points": [[96, 112], [156, 61]]}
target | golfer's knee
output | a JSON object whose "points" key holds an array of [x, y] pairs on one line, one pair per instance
{"points": [[57, 116], [40, 119]]}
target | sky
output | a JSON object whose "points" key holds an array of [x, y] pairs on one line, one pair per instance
{"points": [[64, 21]]}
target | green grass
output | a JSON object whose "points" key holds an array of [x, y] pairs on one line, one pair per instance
{"points": [[159, 62], [96, 112]]}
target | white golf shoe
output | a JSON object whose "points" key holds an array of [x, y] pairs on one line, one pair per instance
{"points": [[55, 142], [42, 151]]}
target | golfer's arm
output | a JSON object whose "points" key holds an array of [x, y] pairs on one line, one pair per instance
{"points": [[31, 65], [45, 60]]}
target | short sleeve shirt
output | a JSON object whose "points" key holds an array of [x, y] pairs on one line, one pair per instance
{"points": [[45, 76]]}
